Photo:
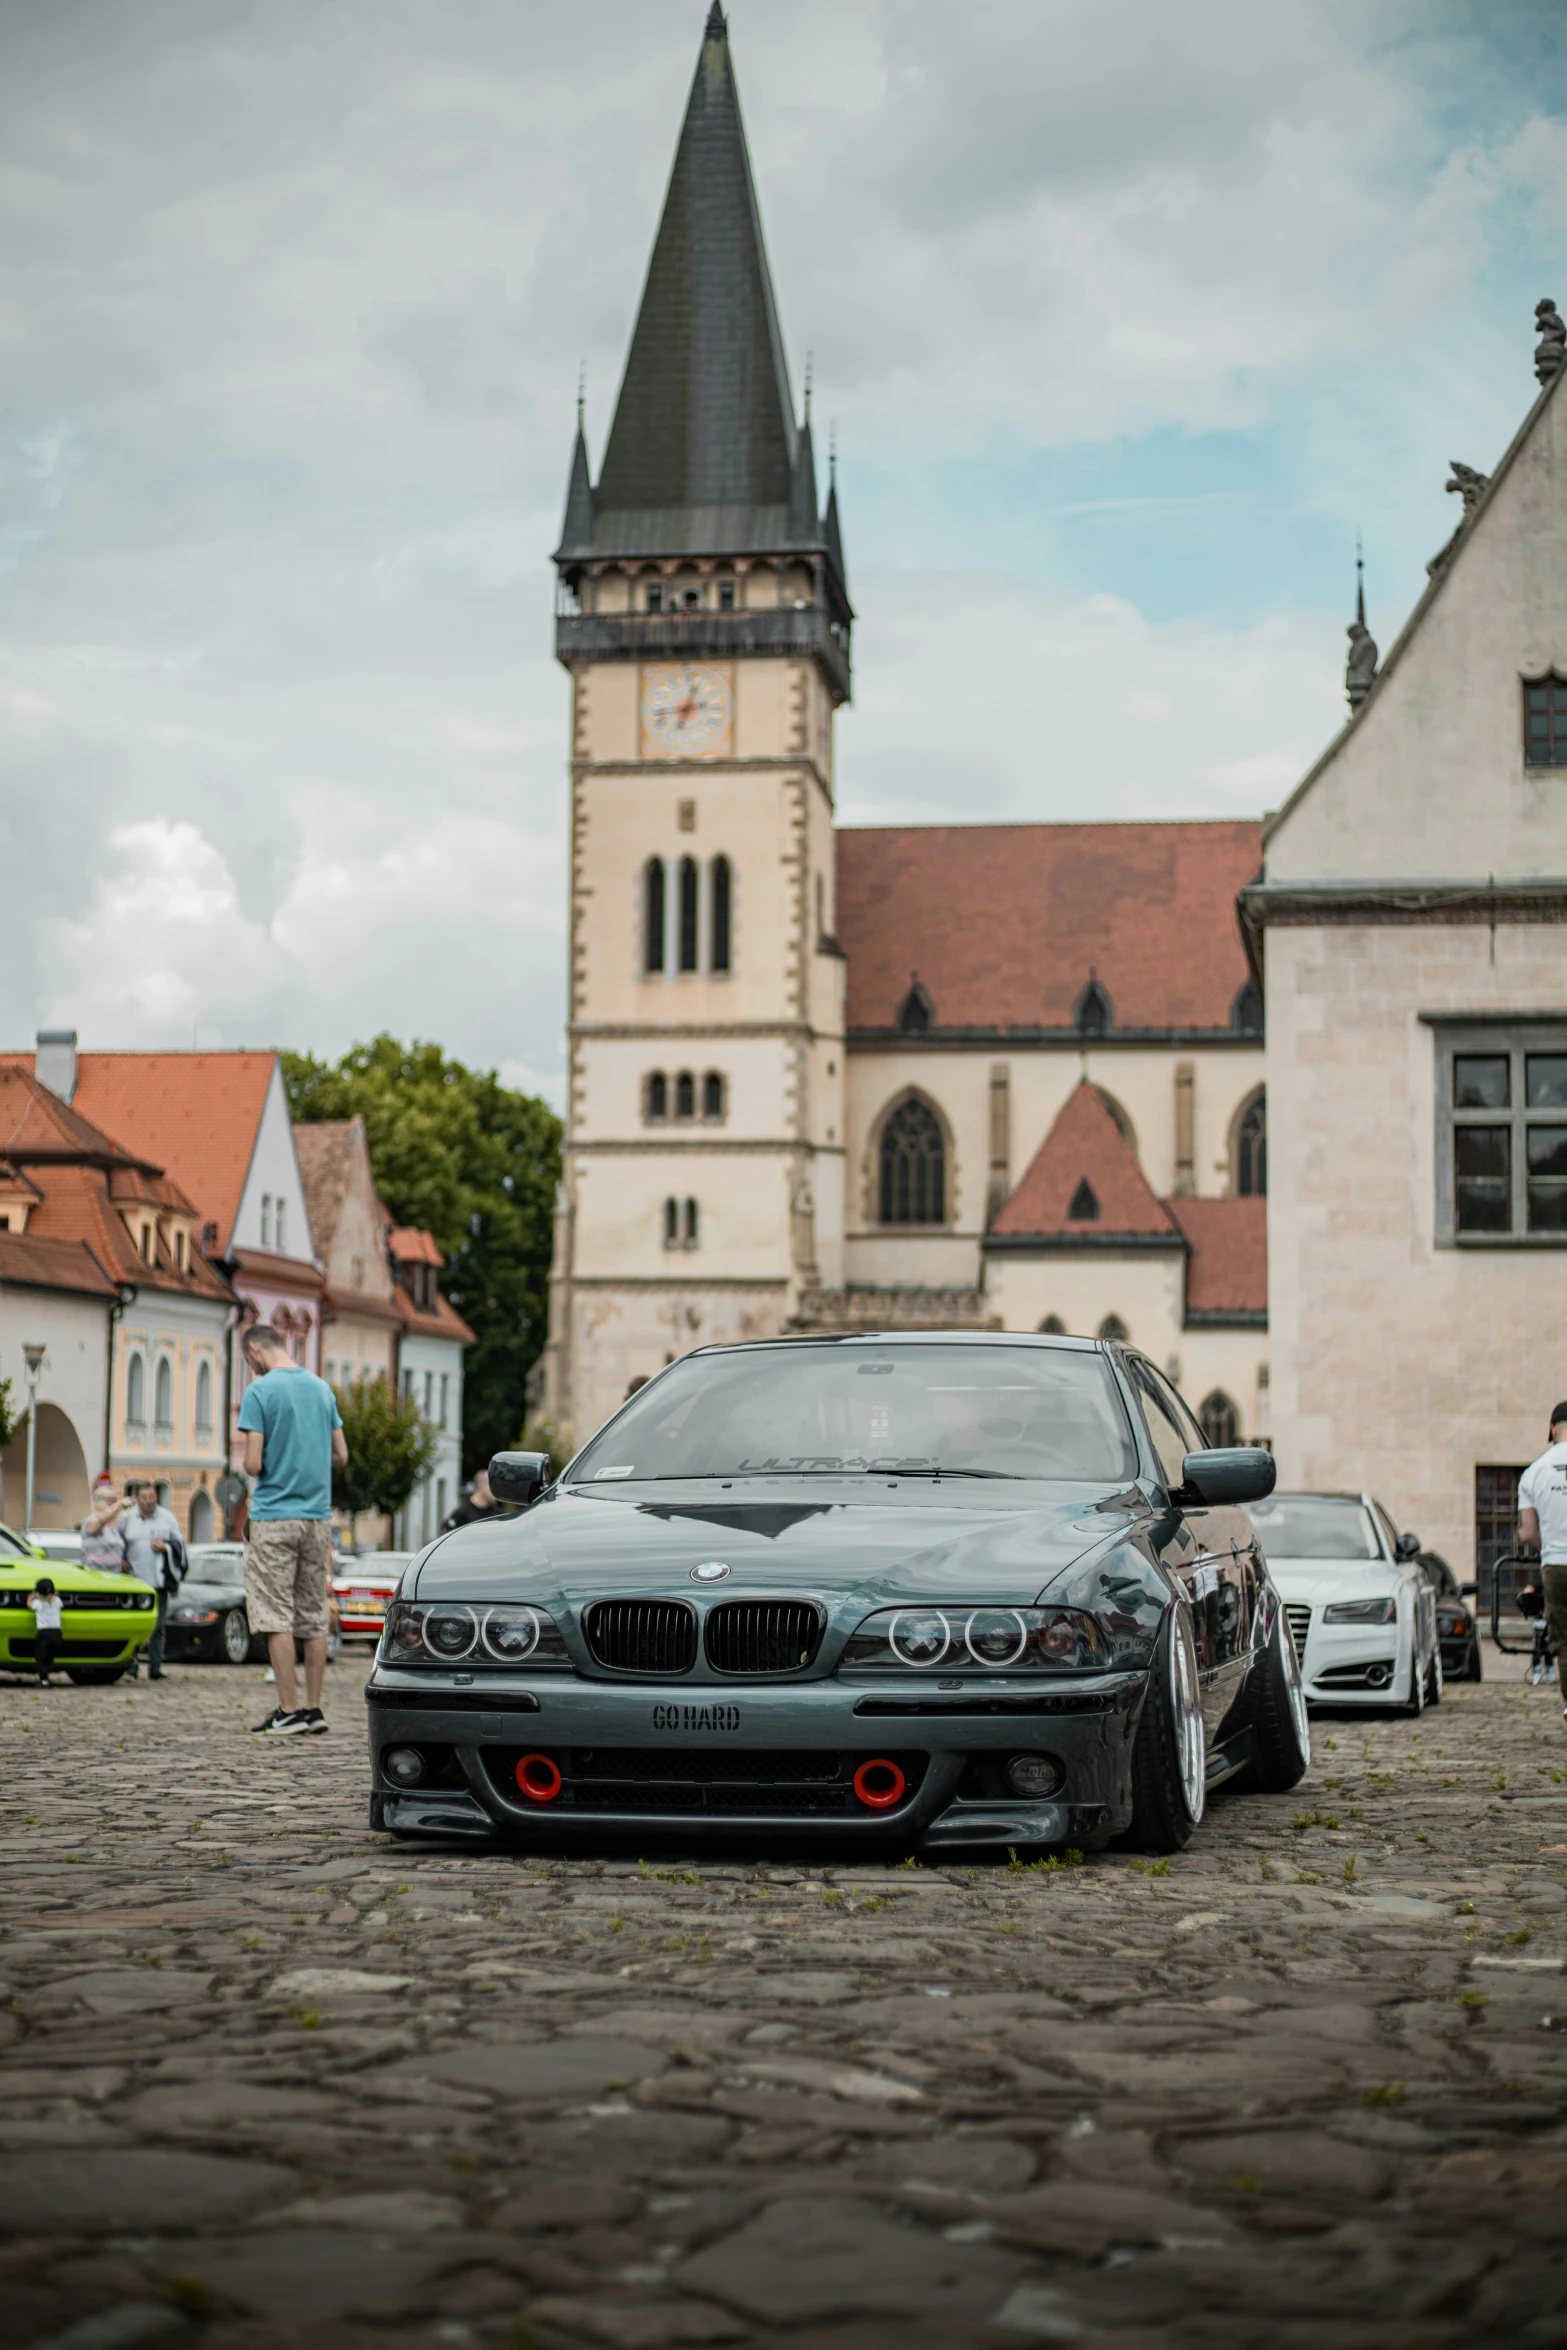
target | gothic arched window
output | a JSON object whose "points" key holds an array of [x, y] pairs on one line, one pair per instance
{"points": [[690, 1233], [685, 1095], [1052, 1327], [688, 913], [653, 915], [671, 1223], [658, 1095], [136, 1392], [1093, 1016], [1113, 1330], [913, 1167], [1218, 1419], [1251, 1149], [204, 1399], [163, 1395], [712, 1095], [723, 924]]}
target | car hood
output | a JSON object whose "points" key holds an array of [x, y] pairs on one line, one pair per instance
{"points": [[1320, 1581], [210, 1594], [1001, 1542], [21, 1575]]}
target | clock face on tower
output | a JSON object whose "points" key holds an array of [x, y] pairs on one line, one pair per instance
{"points": [[687, 710]]}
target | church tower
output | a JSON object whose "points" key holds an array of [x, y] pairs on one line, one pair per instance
{"points": [[703, 615]]}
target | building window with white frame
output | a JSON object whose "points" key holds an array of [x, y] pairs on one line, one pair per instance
{"points": [[1501, 1145], [136, 1397]]}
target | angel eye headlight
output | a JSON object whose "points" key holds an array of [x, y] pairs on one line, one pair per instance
{"points": [[510, 1634], [403, 1637], [449, 1630], [919, 1636], [995, 1636]]}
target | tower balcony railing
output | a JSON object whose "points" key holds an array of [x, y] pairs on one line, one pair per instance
{"points": [[803, 629]]}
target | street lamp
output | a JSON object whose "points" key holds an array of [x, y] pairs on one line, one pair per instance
{"points": [[34, 1356]]}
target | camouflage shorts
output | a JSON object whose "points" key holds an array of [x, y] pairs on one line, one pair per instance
{"points": [[288, 1576]]}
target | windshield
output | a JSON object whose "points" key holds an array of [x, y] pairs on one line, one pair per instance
{"points": [[11, 1548], [1314, 1526], [804, 1410]]}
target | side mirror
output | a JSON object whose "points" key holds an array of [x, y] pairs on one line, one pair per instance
{"points": [[1229, 1473], [519, 1477], [1407, 1546], [1468, 1590]]}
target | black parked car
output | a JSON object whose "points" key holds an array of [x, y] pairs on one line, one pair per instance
{"points": [[1457, 1627], [208, 1621], [930, 1590]]}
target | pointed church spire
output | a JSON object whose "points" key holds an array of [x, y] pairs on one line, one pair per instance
{"points": [[705, 418], [576, 530], [832, 529], [1361, 668]]}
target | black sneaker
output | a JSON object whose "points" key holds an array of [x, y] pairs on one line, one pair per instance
{"points": [[315, 1720], [278, 1724]]}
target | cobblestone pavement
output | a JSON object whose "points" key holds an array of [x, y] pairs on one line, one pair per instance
{"points": [[267, 2079]]}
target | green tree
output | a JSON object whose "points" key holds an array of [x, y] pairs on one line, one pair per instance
{"points": [[476, 1164], [391, 1448], [11, 1420]]}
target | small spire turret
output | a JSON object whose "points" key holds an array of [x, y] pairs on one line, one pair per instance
{"points": [[1361, 668]]}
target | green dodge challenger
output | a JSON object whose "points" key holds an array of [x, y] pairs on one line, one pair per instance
{"points": [[106, 1619]]}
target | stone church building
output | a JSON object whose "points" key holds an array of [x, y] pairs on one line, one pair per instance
{"points": [[990, 1076], [1015, 1076]]}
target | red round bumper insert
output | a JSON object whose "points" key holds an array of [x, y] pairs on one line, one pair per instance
{"points": [[538, 1778], [879, 1785]]}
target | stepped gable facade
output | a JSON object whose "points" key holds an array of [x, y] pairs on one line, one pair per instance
{"points": [[808, 1066]]}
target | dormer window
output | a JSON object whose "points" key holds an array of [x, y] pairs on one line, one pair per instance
{"points": [[1085, 1204], [1093, 1016], [1545, 721], [916, 1013]]}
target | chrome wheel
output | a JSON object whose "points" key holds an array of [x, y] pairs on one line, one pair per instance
{"points": [[234, 1637], [1186, 1705]]}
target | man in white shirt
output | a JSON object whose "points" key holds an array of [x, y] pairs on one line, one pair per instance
{"points": [[1542, 1527], [149, 1529]]}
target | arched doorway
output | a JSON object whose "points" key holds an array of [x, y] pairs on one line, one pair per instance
{"points": [[200, 1528], [60, 1491]]}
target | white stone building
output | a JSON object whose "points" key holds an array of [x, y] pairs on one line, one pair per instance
{"points": [[1411, 929]]}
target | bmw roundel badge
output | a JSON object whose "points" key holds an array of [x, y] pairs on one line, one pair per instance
{"points": [[712, 1571]]}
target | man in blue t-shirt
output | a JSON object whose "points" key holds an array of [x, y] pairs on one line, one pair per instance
{"points": [[294, 1439]]}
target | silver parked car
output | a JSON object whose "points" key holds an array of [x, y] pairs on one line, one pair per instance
{"points": [[1362, 1612]]}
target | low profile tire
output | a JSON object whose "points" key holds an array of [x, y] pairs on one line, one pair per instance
{"points": [[94, 1676], [1434, 1680], [234, 1638], [1474, 1670], [1415, 1703], [1170, 1753], [1275, 1714]]}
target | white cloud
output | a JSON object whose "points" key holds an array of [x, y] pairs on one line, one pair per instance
{"points": [[161, 954], [1104, 713]]}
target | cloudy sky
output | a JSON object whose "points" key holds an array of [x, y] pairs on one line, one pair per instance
{"points": [[1127, 316]]}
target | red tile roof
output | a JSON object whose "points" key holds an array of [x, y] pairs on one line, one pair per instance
{"points": [[195, 1115], [76, 1207], [1227, 1271], [444, 1322], [27, 1263], [1085, 1145], [1005, 923], [37, 1127], [412, 1247]]}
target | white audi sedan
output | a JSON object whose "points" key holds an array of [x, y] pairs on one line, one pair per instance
{"points": [[1362, 1614]]}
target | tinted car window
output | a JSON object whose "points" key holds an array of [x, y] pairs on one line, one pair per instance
{"points": [[1313, 1526], [818, 1410], [1170, 1440]]}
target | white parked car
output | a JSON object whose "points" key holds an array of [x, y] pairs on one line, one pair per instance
{"points": [[1362, 1613]]}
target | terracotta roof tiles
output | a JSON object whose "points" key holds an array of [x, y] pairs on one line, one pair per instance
{"points": [[1084, 1147], [1227, 1271], [1005, 924], [28, 1263]]}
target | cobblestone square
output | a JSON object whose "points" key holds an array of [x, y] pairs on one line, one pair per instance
{"points": [[267, 2078]]}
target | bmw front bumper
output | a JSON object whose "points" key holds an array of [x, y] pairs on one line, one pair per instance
{"points": [[731, 1759]]}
